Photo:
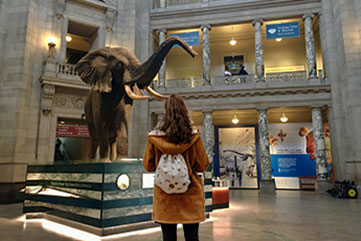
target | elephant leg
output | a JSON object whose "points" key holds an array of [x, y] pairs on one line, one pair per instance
{"points": [[93, 143], [104, 147], [122, 134]]}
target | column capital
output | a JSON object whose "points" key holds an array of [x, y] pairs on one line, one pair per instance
{"points": [[208, 26], [207, 110], [308, 15], [162, 30], [316, 106], [257, 21], [262, 109]]}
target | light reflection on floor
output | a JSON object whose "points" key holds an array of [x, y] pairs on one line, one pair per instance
{"points": [[288, 216]]}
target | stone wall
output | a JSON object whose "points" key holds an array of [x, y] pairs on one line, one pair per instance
{"points": [[341, 23]]}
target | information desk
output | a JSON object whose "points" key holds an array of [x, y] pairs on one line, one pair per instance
{"points": [[101, 198]]}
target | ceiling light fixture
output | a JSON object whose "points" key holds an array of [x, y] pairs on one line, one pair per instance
{"points": [[232, 42], [235, 120], [68, 38], [284, 118]]}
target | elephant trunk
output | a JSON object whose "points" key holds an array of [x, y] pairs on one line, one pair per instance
{"points": [[145, 74]]}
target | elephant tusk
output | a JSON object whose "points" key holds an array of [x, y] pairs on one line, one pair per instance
{"points": [[156, 94], [137, 91], [133, 96]]}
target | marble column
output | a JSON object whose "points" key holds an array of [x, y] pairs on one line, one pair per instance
{"points": [[208, 145], [310, 46], [257, 24], [267, 185], [161, 74], [323, 34], [207, 133], [206, 54], [321, 163]]}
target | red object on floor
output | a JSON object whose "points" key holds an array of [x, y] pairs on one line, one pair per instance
{"points": [[220, 197]]}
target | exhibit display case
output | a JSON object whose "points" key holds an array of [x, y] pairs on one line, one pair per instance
{"points": [[100, 198]]}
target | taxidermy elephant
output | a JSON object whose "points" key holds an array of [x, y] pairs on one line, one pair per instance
{"points": [[117, 78]]}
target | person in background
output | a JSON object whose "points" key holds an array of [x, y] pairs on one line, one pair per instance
{"points": [[174, 135], [242, 71], [227, 72]]}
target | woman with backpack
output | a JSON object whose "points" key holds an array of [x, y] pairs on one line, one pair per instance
{"points": [[176, 153]]}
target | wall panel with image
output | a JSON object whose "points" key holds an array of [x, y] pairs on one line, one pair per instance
{"points": [[292, 153], [236, 155]]}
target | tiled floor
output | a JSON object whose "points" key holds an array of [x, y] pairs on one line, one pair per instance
{"points": [[287, 216]]}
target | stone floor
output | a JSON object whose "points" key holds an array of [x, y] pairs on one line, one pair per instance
{"points": [[288, 216]]}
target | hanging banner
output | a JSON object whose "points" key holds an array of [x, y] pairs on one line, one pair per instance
{"points": [[191, 38], [283, 30]]}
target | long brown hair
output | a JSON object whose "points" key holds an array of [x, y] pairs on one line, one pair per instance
{"points": [[176, 124]]}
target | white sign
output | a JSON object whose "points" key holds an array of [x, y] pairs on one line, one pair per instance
{"points": [[287, 182], [147, 180]]}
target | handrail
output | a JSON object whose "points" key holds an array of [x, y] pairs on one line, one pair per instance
{"points": [[63, 68]]}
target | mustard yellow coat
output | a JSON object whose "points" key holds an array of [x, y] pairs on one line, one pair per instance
{"points": [[185, 207]]}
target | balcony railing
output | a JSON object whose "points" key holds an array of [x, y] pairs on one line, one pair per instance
{"points": [[238, 79], [232, 80], [286, 76], [67, 72], [172, 3], [67, 69]]}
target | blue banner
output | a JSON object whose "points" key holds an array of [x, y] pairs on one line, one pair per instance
{"points": [[292, 165], [283, 30], [191, 38]]}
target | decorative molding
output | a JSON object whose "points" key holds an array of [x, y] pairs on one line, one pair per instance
{"points": [[47, 97], [67, 101], [213, 12]]}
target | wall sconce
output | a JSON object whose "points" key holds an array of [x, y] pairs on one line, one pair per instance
{"points": [[284, 118], [51, 46], [235, 120], [278, 39]]}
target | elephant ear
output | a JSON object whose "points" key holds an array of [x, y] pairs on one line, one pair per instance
{"points": [[94, 70]]}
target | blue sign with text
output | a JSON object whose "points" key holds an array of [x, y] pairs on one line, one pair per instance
{"points": [[283, 30], [292, 165], [191, 38]]}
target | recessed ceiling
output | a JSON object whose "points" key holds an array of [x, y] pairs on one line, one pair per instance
{"points": [[81, 29], [250, 116]]}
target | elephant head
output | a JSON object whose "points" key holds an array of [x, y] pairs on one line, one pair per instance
{"points": [[107, 68]]}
